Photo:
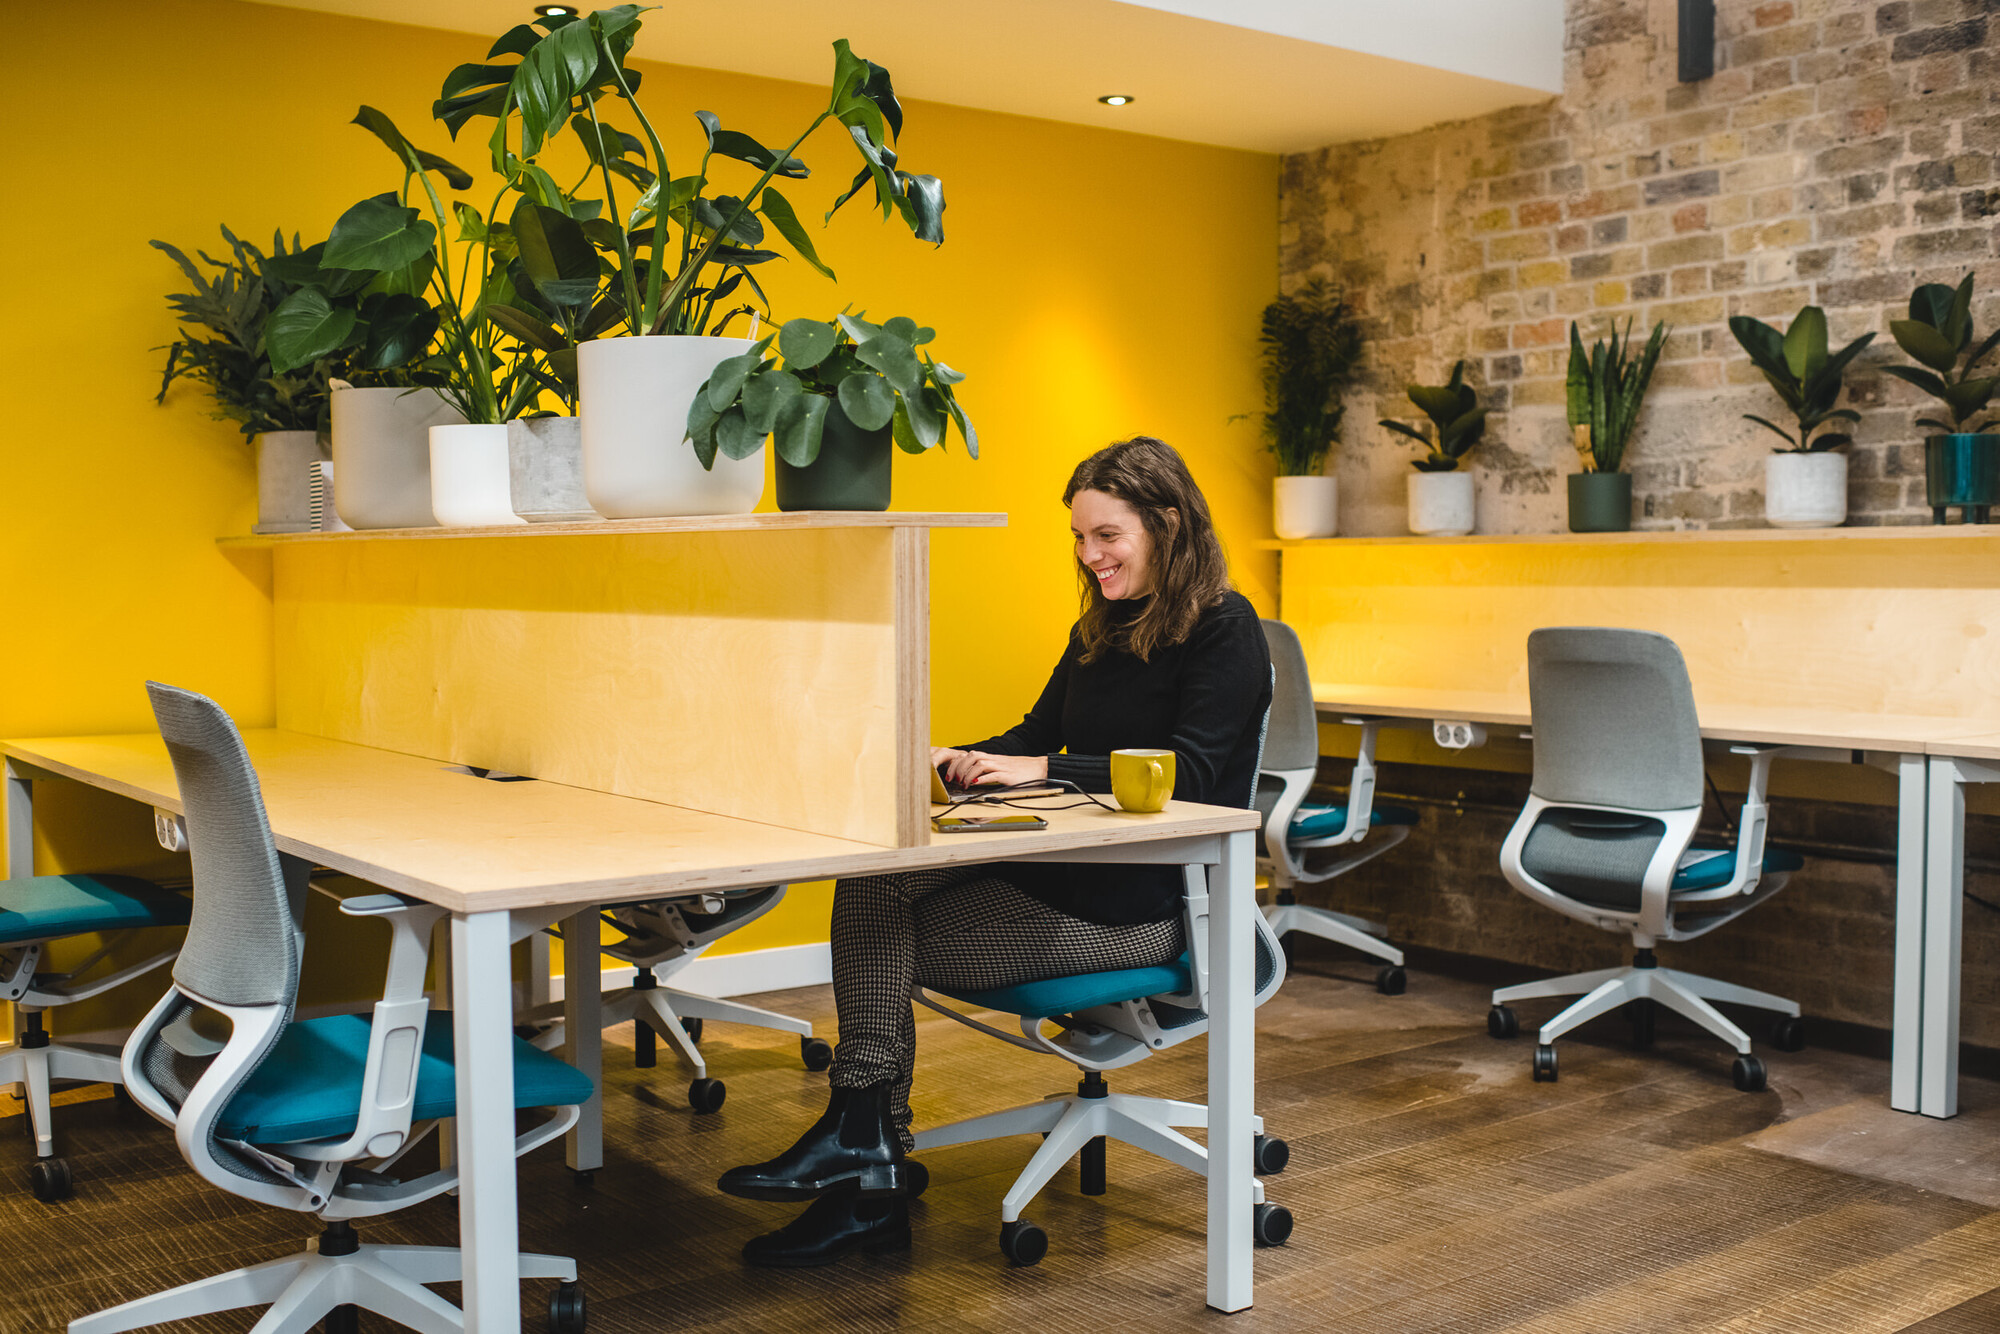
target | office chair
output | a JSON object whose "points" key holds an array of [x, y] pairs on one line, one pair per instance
{"points": [[34, 911], [305, 1114], [1293, 846], [659, 939], [1104, 1021], [1608, 837]]}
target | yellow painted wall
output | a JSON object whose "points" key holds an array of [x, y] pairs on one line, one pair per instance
{"points": [[1093, 285]]}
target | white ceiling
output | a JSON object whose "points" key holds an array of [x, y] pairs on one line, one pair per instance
{"points": [[1274, 76]]}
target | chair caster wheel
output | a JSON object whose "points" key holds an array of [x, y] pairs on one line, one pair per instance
{"points": [[1270, 1155], [1023, 1243], [706, 1095], [1391, 980], [916, 1179], [1501, 1023], [567, 1311], [342, 1320], [1271, 1224], [583, 1180], [692, 1027], [50, 1179], [1643, 1017], [1789, 1035], [1545, 1064], [1748, 1072], [817, 1053]]}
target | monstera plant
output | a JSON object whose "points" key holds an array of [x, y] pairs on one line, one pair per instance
{"points": [[1961, 461]]}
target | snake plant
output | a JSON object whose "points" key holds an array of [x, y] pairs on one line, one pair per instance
{"points": [[1605, 389]]}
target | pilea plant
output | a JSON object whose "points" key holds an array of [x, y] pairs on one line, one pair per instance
{"points": [[1604, 391], [874, 371], [1456, 416], [1804, 373], [1938, 331]]}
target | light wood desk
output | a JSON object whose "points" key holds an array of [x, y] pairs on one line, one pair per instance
{"points": [[485, 850]]}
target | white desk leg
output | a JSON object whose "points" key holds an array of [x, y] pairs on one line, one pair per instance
{"points": [[583, 1035], [539, 989], [1912, 824], [1944, 906], [483, 1033], [1232, 1070], [19, 798]]}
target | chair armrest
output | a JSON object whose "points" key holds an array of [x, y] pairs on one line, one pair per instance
{"points": [[1751, 820]]}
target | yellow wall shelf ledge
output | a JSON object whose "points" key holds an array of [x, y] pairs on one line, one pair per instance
{"points": [[1896, 533], [702, 523]]}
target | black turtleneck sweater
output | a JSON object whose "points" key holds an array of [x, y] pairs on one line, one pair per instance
{"points": [[1203, 698]]}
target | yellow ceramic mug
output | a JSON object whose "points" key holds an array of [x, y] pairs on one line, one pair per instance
{"points": [[1142, 780]]}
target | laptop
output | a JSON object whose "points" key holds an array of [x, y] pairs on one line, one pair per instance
{"points": [[943, 793]]}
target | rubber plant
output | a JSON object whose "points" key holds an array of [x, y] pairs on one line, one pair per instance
{"points": [[875, 371], [673, 253], [1806, 375], [1456, 417], [1605, 388], [1312, 344], [1937, 334]]}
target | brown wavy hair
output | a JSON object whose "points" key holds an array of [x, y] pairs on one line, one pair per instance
{"points": [[1190, 574]]}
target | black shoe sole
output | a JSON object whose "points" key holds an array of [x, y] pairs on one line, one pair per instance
{"points": [[871, 1183], [898, 1241]]}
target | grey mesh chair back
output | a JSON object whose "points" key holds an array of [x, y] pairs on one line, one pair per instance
{"points": [[247, 935], [1614, 720], [1291, 735]]}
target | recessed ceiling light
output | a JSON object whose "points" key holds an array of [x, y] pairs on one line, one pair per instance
{"points": [[556, 11], [1116, 99]]}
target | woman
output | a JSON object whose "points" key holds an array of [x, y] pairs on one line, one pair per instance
{"points": [[1165, 656]]}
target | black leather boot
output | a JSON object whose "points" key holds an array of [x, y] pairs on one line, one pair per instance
{"points": [[833, 1225], [854, 1144]]}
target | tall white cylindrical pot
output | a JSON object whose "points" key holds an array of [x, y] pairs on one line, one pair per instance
{"points": [[1441, 504], [382, 455], [637, 461], [1305, 506], [1805, 490], [469, 481], [284, 494]]}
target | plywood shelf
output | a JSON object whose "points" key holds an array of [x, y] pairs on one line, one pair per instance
{"points": [[704, 523], [1984, 533]]}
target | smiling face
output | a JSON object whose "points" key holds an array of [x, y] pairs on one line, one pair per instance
{"points": [[1112, 544]]}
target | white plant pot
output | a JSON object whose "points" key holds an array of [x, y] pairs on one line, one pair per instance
{"points": [[382, 455], [637, 461], [1305, 506], [284, 476], [1805, 490], [1441, 504], [469, 484]]}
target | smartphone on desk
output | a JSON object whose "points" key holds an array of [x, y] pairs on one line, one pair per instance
{"points": [[983, 824]]}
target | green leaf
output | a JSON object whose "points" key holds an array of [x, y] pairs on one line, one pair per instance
{"points": [[304, 328], [385, 129], [516, 41], [857, 328], [766, 396], [1440, 405], [1957, 327], [1967, 397], [742, 148], [801, 424], [1771, 426], [535, 332], [876, 88], [1931, 304], [805, 343], [867, 400], [735, 436], [1463, 432], [1924, 343], [921, 202], [557, 254], [1415, 433], [1992, 341], [779, 212], [895, 359], [941, 373], [1764, 346], [1577, 381], [399, 330], [964, 423], [1923, 380], [727, 380], [1805, 342], [903, 433], [377, 234]]}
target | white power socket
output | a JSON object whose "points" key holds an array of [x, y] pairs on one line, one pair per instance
{"points": [[1457, 736], [170, 829]]}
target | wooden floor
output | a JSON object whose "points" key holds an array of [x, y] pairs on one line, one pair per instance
{"points": [[1435, 1186]]}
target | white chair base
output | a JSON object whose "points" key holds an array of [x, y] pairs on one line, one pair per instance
{"points": [[662, 1009], [34, 1067], [301, 1289], [1685, 993], [1072, 1121], [1339, 927]]}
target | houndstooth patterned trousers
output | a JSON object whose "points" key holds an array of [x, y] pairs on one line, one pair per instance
{"points": [[958, 927]]}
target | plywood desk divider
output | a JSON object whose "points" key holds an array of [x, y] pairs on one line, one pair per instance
{"points": [[767, 667]]}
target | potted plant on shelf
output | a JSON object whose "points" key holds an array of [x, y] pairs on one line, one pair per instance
{"points": [[846, 389], [1805, 484], [1312, 344], [1962, 461], [1605, 389], [222, 347], [674, 253], [1440, 496]]}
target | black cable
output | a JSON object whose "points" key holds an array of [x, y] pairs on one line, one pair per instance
{"points": [[1716, 792]]}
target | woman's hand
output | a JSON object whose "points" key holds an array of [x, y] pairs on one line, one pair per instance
{"points": [[969, 768], [941, 755]]}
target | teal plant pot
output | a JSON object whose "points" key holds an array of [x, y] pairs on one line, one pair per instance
{"points": [[851, 472], [1600, 502], [1962, 471]]}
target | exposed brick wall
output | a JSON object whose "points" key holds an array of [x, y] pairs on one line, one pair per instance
{"points": [[1844, 151]]}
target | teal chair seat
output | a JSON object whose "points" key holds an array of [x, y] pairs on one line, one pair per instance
{"points": [[44, 907], [309, 1087], [1067, 995], [1712, 867], [1324, 821]]}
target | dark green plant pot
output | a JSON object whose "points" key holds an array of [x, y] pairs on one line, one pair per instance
{"points": [[851, 472], [1600, 502], [1962, 470]]}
